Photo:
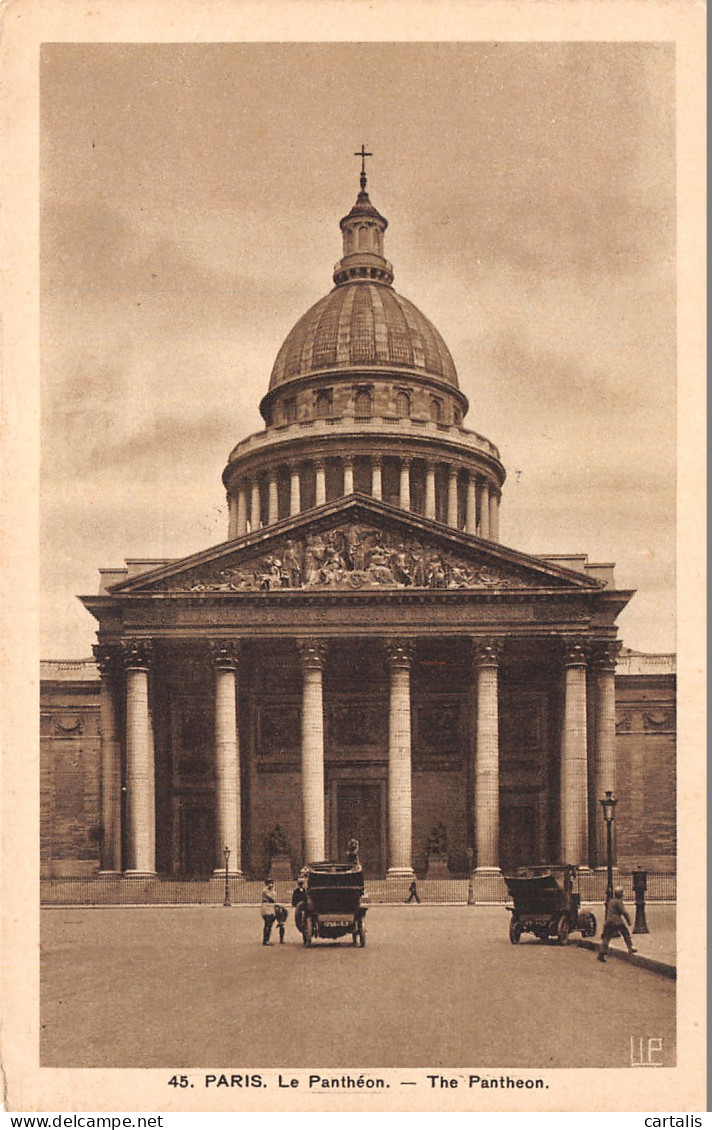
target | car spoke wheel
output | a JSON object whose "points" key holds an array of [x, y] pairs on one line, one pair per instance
{"points": [[515, 931], [563, 930]]}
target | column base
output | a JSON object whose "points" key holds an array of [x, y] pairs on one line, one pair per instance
{"points": [[109, 873], [219, 873], [400, 873], [129, 874], [487, 885]]}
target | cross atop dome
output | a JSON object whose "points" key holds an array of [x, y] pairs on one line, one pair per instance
{"points": [[363, 155]]}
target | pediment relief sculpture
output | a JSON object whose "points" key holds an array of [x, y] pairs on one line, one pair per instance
{"points": [[353, 556]]}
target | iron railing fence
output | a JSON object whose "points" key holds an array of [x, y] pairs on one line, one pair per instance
{"points": [[102, 890]]}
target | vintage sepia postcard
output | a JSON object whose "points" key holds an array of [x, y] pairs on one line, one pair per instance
{"points": [[354, 416]]}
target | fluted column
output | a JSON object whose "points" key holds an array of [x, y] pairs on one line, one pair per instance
{"points": [[376, 476], [605, 668], [487, 656], [483, 490], [227, 759], [232, 517], [470, 505], [494, 515], [430, 490], [348, 475], [140, 769], [295, 492], [452, 496], [312, 655], [404, 493], [107, 659], [241, 510], [400, 819], [574, 760], [272, 499], [320, 467], [255, 506]]}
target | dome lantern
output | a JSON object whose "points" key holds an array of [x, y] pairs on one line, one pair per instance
{"points": [[363, 229]]}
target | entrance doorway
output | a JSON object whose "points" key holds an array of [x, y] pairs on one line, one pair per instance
{"points": [[197, 847], [359, 813], [518, 836]]}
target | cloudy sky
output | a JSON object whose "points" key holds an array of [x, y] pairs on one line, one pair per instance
{"points": [[190, 204]]}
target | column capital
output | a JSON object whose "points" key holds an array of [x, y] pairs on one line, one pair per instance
{"points": [[136, 654], [453, 470], [312, 654], [319, 464], [405, 460], [487, 652], [399, 654], [225, 654], [377, 460], [575, 653], [604, 654], [108, 659], [347, 460]]}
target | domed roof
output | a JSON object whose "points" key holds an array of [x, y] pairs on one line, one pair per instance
{"points": [[363, 323]]}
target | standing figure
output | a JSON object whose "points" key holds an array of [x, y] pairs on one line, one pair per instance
{"points": [[299, 902], [281, 914], [614, 925], [269, 903], [352, 850]]}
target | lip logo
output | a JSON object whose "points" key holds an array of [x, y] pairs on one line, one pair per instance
{"points": [[646, 1052]]}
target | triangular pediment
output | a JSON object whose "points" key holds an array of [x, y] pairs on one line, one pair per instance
{"points": [[351, 545]]}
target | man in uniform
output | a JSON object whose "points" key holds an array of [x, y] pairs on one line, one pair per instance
{"points": [[269, 902]]}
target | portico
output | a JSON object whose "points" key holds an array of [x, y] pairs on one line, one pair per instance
{"points": [[377, 700]]}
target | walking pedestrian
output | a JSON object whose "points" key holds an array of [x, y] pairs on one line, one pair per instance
{"points": [[413, 895], [269, 903], [615, 925]]}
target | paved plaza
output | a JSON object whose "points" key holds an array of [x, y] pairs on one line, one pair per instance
{"points": [[181, 987]]}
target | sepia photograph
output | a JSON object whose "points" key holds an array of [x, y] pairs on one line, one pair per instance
{"points": [[358, 524]]}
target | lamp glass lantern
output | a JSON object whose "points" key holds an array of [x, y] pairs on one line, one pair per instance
{"points": [[608, 804]]}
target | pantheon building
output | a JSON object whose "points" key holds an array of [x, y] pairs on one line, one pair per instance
{"points": [[362, 656]]}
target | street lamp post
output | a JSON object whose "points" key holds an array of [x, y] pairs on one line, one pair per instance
{"points": [[608, 804], [226, 900]]}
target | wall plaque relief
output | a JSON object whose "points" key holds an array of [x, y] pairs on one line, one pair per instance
{"points": [[69, 725], [279, 730], [194, 737], [624, 721], [439, 727], [523, 738], [353, 556], [358, 724], [658, 720]]}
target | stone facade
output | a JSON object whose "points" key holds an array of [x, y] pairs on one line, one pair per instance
{"points": [[362, 657], [356, 769]]}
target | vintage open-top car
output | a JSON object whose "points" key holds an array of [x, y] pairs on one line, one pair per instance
{"points": [[335, 904], [546, 904]]}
